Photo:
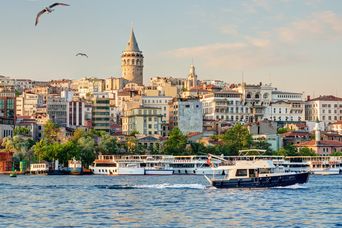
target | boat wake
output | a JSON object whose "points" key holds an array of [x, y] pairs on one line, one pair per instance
{"points": [[154, 186], [295, 186]]}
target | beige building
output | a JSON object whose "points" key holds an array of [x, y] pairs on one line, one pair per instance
{"points": [[113, 84], [88, 86], [145, 120], [27, 103], [132, 61]]}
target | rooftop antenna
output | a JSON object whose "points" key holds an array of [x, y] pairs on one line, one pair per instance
{"points": [[243, 77]]}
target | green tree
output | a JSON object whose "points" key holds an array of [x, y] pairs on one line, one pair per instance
{"points": [[282, 130], [291, 150], [24, 131], [68, 151], [51, 131], [337, 153], [8, 144], [108, 144], [306, 152], [40, 149], [263, 145], [176, 143], [78, 133], [134, 132], [235, 139], [281, 152], [20, 145], [197, 148], [87, 150]]}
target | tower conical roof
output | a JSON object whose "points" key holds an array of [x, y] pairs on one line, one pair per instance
{"points": [[132, 43]]}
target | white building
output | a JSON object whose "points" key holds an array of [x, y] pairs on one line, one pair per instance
{"points": [[225, 105], [186, 114], [327, 109], [285, 106], [257, 98], [79, 114]]}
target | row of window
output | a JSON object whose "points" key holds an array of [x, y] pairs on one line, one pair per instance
{"points": [[153, 101]]}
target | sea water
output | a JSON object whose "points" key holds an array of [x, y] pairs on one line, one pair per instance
{"points": [[164, 201]]}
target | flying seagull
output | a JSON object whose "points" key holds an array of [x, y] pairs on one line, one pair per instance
{"points": [[48, 9], [82, 54]]}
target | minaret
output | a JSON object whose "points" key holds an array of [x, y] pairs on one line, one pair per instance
{"points": [[132, 61], [192, 78]]}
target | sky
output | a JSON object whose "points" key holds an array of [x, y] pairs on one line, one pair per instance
{"points": [[294, 44]]}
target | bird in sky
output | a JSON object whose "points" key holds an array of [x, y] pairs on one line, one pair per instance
{"points": [[82, 54], [48, 9]]}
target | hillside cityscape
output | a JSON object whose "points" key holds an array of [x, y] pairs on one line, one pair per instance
{"points": [[63, 119]]}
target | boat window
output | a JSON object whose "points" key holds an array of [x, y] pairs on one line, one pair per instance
{"points": [[241, 172], [251, 173], [264, 170]]}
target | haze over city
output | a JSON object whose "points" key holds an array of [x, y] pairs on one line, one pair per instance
{"points": [[296, 45]]}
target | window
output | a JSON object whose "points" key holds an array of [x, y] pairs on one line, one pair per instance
{"points": [[187, 106], [241, 172]]}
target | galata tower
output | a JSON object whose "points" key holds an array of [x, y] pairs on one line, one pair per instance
{"points": [[132, 63]]}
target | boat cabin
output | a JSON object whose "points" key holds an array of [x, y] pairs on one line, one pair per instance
{"points": [[251, 169]]}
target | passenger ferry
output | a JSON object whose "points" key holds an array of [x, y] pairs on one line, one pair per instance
{"points": [[39, 168], [132, 165], [196, 165], [114, 165], [318, 165], [257, 174]]}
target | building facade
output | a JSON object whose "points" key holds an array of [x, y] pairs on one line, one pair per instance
{"points": [[285, 107], [27, 103], [57, 110], [101, 112], [145, 120], [79, 114], [327, 109], [225, 105], [186, 114]]}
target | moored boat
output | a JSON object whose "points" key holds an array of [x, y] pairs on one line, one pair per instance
{"points": [[257, 174]]}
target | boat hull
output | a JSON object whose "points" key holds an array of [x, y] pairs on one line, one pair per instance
{"points": [[262, 182], [158, 172]]}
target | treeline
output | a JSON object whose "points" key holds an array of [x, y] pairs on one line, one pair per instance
{"points": [[86, 145]]}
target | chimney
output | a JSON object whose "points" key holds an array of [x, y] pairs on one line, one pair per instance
{"points": [[308, 98]]}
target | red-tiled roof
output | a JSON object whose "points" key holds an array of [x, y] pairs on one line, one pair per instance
{"points": [[327, 143], [296, 134], [338, 122], [326, 98], [331, 134]]}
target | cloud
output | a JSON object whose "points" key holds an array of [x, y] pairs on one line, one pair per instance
{"points": [[249, 53], [322, 25], [229, 30], [268, 47]]}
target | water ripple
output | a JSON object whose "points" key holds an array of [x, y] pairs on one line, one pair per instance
{"points": [[171, 201]]}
